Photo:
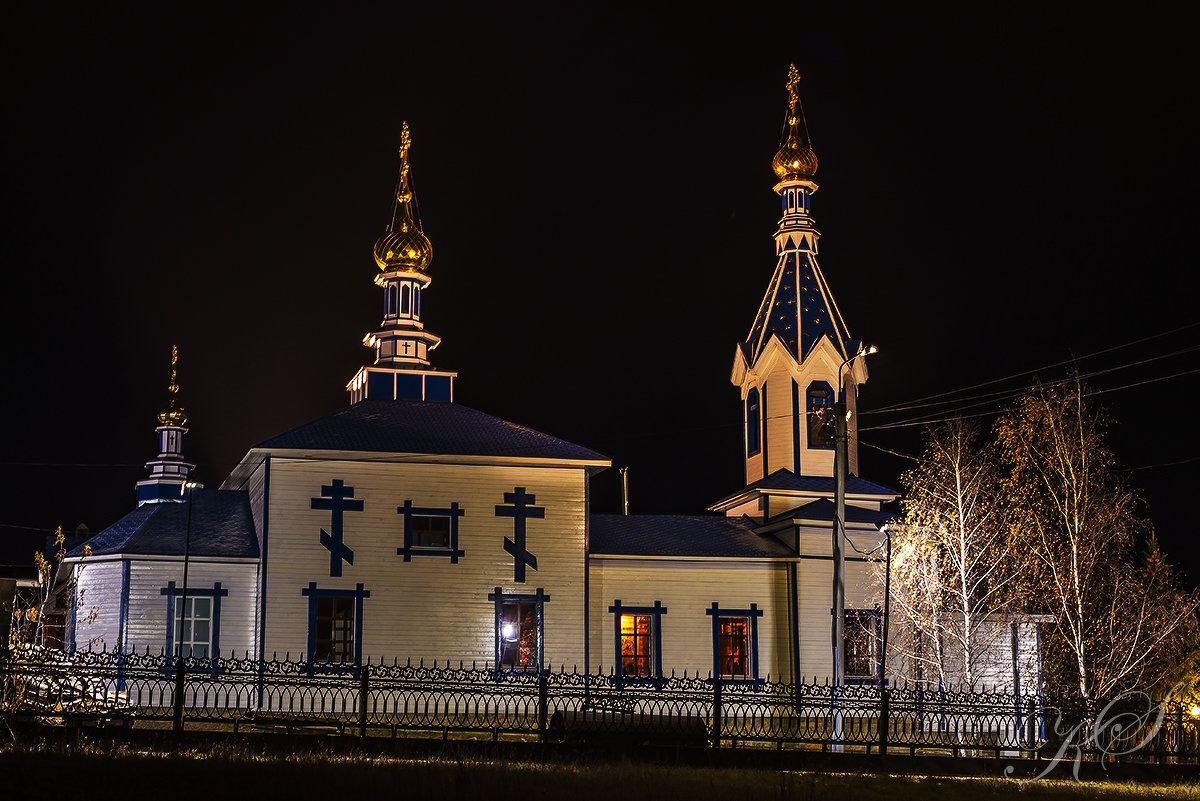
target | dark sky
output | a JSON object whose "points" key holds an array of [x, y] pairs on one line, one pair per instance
{"points": [[1000, 191]]}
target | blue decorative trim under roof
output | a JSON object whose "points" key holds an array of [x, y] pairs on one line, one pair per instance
{"points": [[680, 535], [397, 426], [221, 526]]}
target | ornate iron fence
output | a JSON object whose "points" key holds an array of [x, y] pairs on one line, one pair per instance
{"points": [[379, 698]]}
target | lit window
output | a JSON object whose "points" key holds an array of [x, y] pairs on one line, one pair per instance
{"points": [[193, 627], [429, 531], [636, 660], [519, 635], [820, 415], [860, 637], [752, 422], [333, 638], [733, 647]]}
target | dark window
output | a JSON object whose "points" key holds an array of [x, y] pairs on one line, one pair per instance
{"points": [[334, 635], [733, 647], [820, 416], [519, 635], [635, 646], [430, 531], [193, 627], [389, 305], [860, 637], [404, 300], [752, 422]]}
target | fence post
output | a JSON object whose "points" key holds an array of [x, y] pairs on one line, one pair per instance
{"points": [[177, 712], [1031, 723], [364, 688], [884, 719], [543, 698], [716, 714]]}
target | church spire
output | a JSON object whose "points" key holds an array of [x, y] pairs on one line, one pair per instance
{"points": [[401, 370], [788, 366], [168, 471]]}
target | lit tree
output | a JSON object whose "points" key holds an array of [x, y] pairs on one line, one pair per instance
{"points": [[955, 568], [1118, 620]]}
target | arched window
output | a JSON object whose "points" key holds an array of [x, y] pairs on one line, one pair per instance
{"points": [[752, 422], [417, 302], [404, 303], [389, 302], [820, 415]]}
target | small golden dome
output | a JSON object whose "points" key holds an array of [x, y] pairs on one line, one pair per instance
{"points": [[403, 250], [795, 159]]}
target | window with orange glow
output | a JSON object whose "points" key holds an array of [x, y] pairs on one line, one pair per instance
{"points": [[519, 635], [733, 647], [636, 657]]}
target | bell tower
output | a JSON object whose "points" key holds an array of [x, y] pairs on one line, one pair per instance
{"points": [[798, 351], [401, 370], [168, 471]]}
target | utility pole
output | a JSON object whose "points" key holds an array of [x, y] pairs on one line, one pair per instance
{"points": [[177, 712], [841, 421]]}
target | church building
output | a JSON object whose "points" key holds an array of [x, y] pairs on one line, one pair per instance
{"points": [[407, 525]]}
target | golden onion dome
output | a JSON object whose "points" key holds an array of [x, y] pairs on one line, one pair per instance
{"points": [[173, 415], [403, 246], [403, 250], [795, 159]]}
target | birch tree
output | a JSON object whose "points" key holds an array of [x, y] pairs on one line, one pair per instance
{"points": [[955, 567], [1118, 618]]}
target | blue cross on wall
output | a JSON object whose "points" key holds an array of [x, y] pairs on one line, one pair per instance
{"points": [[335, 498], [521, 509]]}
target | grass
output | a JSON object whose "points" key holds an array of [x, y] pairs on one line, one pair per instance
{"points": [[109, 769]]}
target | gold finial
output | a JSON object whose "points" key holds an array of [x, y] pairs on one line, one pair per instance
{"points": [[795, 159], [174, 414], [403, 245]]}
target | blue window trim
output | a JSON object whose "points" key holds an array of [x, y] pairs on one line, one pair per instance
{"points": [[539, 597], [808, 411], [656, 611], [409, 550], [216, 593], [312, 592], [752, 614], [796, 415], [753, 425]]}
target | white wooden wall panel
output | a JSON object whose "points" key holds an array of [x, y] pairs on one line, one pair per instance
{"points": [[148, 612], [779, 421], [97, 604], [425, 608], [687, 589]]}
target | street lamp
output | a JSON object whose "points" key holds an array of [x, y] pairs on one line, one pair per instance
{"points": [[840, 418], [190, 486]]}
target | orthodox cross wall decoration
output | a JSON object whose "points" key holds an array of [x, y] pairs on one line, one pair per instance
{"points": [[520, 510], [336, 498]]}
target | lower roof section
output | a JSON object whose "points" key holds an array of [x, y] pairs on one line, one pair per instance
{"points": [[681, 535]]}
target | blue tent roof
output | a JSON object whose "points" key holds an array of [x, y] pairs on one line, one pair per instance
{"points": [[401, 426], [785, 479], [796, 310], [823, 509], [221, 525], [680, 535]]}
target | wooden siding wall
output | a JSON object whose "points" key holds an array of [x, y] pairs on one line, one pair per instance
{"points": [[428, 607], [779, 422], [146, 626], [97, 604], [687, 589]]}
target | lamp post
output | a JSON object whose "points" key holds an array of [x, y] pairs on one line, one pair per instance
{"points": [[841, 419], [190, 486]]}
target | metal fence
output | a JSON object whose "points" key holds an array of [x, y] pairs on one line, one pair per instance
{"points": [[405, 699]]}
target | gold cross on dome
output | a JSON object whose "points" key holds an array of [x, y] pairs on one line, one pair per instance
{"points": [[792, 79]]}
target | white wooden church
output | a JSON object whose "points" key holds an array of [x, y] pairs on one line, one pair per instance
{"points": [[406, 525]]}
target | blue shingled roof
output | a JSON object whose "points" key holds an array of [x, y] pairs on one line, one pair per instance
{"points": [[221, 526], [823, 509], [400, 426], [679, 535], [785, 479]]}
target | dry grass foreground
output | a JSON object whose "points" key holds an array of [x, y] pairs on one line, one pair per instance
{"points": [[110, 771]]}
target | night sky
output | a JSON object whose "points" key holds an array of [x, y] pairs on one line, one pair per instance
{"points": [[1000, 192]]}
